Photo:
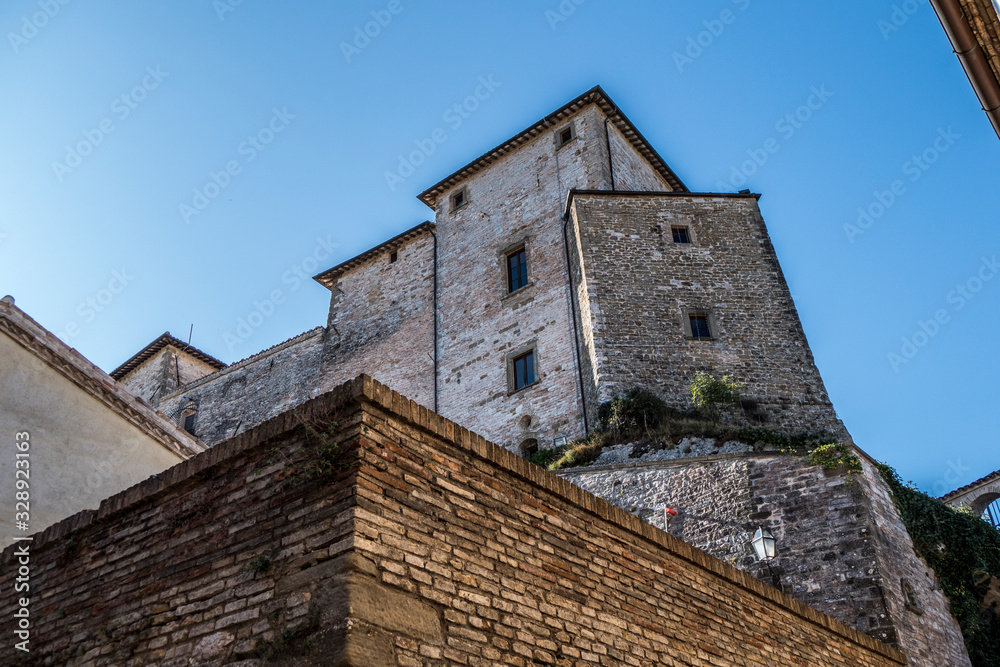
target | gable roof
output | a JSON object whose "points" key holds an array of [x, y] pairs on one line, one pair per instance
{"points": [[595, 95], [157, 345], [327, 277], [77, 369]]}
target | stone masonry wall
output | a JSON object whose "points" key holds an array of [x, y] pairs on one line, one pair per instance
{"points": [[631, 170], [835, 551], [382, 322], [639, 283], [516, 200], [146, 380], [251, 391], [164, 372], [416, 543], [928, 632], [520, 199]]}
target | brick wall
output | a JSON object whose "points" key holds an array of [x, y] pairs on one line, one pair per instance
{"points": [[841, 549], [382, 321], [638, 283], [416, 543], [515, 200], [631, 170]]}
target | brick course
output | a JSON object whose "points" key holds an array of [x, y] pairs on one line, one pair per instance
{"points": [[427, 545]]}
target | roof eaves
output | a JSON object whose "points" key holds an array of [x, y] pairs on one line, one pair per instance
{"points": [[163, 341], [988, 478], [327, 278], [655, 193], [595, 95]]}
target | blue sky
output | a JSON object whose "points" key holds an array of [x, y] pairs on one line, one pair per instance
{"points": [[277, 137]]}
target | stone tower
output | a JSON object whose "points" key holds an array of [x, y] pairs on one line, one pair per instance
{"points": [[564, 267]]}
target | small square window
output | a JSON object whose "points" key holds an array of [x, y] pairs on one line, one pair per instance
{"points": [[459, 199], [681, 234], [517, 270], [565, 135], [393, 256], [523, 368], [699, 327]]}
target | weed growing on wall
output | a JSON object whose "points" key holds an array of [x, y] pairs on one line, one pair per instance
{"points": [[964, 552], [641, 416]]}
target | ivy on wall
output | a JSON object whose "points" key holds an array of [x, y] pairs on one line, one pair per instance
{"points": [[962, 549]]}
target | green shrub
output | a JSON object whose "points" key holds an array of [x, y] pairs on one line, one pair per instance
{"points": [[711, 395], [833, 456], [637, 411], [545, 457], [579, 452], [962, 550]]}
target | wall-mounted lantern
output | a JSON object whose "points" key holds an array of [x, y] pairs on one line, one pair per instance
{"points": [[763, 544]]}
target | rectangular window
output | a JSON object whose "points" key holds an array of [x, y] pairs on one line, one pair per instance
{"points": [[459, 199], [393, 256], [565, 135], [681, 235], [517, 270], [524, 370], [699, 327], [189, 423]]}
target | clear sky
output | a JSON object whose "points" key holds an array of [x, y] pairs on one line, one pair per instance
{"points": [[169, 164]]}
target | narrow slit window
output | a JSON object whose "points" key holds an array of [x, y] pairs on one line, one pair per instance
{"points": [[524, 370], [681, 235], [393, 256], [517, 270], [699, 327], [189, 421]]}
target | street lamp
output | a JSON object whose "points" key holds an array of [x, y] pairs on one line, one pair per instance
{"points": [[763, 545]]}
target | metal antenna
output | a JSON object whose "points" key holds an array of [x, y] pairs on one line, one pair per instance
{"points": [[190, 331]]}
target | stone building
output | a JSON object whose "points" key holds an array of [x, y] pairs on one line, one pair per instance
{"points": [[563, 267], [82, 437]]}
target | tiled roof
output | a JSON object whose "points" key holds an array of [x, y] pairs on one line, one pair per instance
{"points": [[595, 95], [157, 345]]}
